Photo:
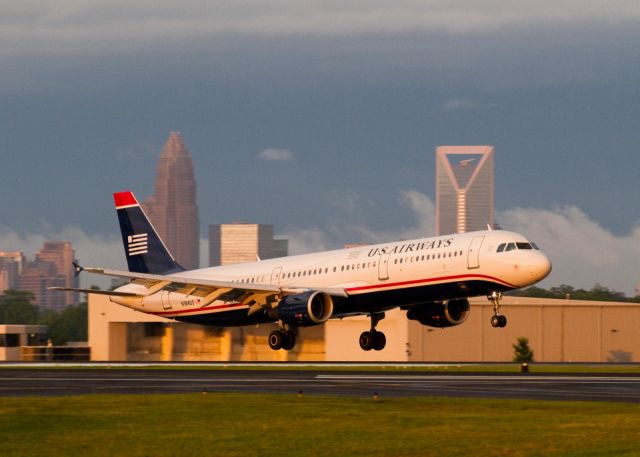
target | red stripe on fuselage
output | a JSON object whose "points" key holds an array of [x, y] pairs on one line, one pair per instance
{"points": [[428, 280], [353, 289]]}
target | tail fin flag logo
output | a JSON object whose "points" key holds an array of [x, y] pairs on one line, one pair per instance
{"points": [[138, 244]]}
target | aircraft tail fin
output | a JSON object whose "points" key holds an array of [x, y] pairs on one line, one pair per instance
{"points": [[145, 251]]}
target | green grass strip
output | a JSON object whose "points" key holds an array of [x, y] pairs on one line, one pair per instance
{"points": [[264, 425]]}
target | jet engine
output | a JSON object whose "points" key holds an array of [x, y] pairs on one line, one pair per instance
{"points": [[306, 309], [441, 314]]}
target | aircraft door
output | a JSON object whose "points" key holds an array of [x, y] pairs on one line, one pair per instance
{"points": [[275, 276], [383, 267], [473, 256], [164, 297]]}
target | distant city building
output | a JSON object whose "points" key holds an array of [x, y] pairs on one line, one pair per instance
{"points": [[52, 267], [242, 242], [172, 208], [464, 189], [10, 268]]}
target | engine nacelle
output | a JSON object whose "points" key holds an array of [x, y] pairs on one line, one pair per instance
{"points": [[305, 310], [441, 314]]}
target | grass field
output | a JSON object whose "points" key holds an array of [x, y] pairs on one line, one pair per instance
{"points": [[264, 425]]}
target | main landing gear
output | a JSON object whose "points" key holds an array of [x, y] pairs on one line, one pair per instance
{"points": [[497, 320], [373, 339], [282, 339]]}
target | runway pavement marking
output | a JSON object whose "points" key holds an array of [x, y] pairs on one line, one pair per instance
{"points": [[520, 378]]}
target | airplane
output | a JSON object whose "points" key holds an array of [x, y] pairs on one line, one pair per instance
{"points": [[430, 278]]}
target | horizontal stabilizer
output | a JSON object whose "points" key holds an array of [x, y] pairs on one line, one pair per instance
{"points": [[113, 293]]}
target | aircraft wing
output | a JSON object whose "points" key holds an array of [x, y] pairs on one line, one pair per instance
{"points": [[258, 296], [148, 278]]}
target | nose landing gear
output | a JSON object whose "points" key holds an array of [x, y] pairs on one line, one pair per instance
{"points": [[373, 339], [497, 320]]}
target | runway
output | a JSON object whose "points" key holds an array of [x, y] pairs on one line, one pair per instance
{"points": [[79, 381]]}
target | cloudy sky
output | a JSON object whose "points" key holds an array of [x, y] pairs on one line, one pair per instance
{"points": [[322, 118]]}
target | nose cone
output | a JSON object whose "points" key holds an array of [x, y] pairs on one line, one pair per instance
{"points": [[539, 268]]}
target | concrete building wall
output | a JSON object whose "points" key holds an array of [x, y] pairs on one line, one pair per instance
{"points": [[342, 339], [12, 337], [117, 333], [558, 330]]}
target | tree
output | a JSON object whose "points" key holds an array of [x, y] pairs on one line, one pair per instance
{"points": [[522, 353], [16, 308], [597, 293], [70, 324]]}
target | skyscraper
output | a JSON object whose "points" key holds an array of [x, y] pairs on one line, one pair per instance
{"points": [[10, 269], [241, 242], [172, 208], [464, 188], [52, 267]]}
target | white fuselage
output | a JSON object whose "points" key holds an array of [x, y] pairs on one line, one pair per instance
{"points": [[379, 276]]}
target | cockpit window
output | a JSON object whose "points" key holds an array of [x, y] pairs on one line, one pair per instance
{"points": [[504, 247]]}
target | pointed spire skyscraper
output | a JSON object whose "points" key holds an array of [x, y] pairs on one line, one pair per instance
{"points": [[172, 208]]}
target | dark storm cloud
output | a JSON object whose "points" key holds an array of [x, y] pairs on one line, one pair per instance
{"points": [[360, 92]]}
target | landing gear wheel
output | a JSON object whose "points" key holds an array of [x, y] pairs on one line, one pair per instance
{"points": [[276, 339], [289, 340], [367, 341], [379, 341], [499, 321]]}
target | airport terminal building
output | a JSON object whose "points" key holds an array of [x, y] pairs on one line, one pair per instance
{"points": [[558, 331]]}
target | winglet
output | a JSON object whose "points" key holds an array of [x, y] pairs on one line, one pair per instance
{"points": [[124, 199], [77, 268]]}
